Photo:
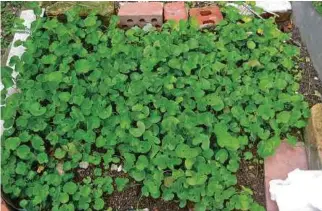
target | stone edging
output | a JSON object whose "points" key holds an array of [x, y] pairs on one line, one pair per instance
{"points": [[309, 22], [313, 138]]}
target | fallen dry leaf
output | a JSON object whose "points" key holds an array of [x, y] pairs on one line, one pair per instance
{"points": [[40, 169], [59, 168]]}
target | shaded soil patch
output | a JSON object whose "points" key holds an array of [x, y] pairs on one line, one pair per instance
{"points": [[251, 175], [310, 85], [130, 199]]}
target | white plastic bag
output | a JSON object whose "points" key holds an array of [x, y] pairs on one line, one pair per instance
{"points": [[301, 191]]}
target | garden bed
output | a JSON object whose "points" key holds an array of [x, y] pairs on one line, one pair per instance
{"points": [[200, 166]]}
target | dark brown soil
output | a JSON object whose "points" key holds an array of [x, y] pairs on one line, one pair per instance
{"points": [[130, 199], [310, 85], [251, 175]]}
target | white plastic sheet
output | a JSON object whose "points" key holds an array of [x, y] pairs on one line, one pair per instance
{"points": [[274, 6], [301, 191]]}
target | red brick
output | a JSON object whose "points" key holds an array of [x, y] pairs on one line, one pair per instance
{"points": [[175, 11], [3, 206], [141, 13], [286, 159], [206, 15]]}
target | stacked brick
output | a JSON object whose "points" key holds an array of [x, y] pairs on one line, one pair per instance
{"points": [[175, 11], [206, 15], [142, 13]]}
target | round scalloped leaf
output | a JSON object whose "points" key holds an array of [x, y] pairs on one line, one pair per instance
{"points": [[36, 109], [12, 143], [23, 152], [251, 45], [138, 132], [70, 188]]}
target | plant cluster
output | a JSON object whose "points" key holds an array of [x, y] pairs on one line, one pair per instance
{"points": [[8, 16], [10, 23], [177, 107]]}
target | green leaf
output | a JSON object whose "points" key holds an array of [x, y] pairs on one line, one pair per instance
{"points": [[100, 141], [267, 148], [142, 162], [189, 162], [184, 151], [233, 165], [138, 175], [12, 143], [85, 190], [218, 66], [70, 188], [59, 153], [248, 155], [54, 77], [37, 143], [197, 180], [199, 139], [266, 112], [23, 203], [169, 123], [23, 152], [21, 168], [221, 155], [42, 158], [121, 183], [251, 45], [90, 21], [93, 122], [137, 132], [82, 66], [49, 59], [36, 109], [224, 139], [291, 139], [64, 96], [283, 117], [215, 101], [63, 197], [175, 63], [253, 63], [106, 113], [99, 204], [193, 43]]}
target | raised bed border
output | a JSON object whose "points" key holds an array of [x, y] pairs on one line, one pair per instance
{"points": [[309, 22]]}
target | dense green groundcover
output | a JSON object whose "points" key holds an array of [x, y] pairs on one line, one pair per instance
{"points": [[178, 108]]}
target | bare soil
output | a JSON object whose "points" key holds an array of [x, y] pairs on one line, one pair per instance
{"points": [[310, 84], [131, 199], [251, 175]]}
